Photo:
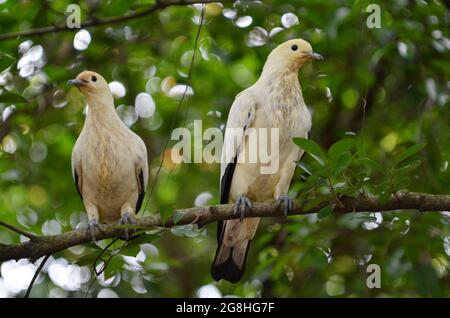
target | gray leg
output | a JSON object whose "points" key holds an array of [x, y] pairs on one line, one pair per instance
{"points": [[127, 219], [92, 226], [93, 216], [242, 206], [288, 204]]}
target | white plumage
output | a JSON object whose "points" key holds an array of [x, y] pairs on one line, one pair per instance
{"points": [[274, 101], [109, 161]]}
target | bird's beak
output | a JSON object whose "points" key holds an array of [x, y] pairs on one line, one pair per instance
{"points": [[75, 82], [316, 56]]}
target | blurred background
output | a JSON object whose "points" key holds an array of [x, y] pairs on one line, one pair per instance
{"points": [[387, 86]]}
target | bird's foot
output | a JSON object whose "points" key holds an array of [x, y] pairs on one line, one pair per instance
{"points": [[92, 226], [288, 204], [128, 219], [242, 206]]}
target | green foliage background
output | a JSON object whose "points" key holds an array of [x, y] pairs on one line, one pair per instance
{"points": [[398, 73]]}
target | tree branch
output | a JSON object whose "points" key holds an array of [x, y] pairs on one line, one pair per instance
{"points": [[44, 245], [159, 5]]}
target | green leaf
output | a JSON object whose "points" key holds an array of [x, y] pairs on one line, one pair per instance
{"points": [[146, 238], [165, 211], [6, 61], [325, 211], [342, 163], [86, 259], [312, 148], [92, 245], [371, 163], [340, 147], [130, 249], [133, 246], [12, 98], [113, 267], [307, 169], [410, 152]]}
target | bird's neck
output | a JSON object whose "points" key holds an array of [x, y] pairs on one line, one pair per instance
{"points": [[101, 111], [277, 66], [280, 78]]}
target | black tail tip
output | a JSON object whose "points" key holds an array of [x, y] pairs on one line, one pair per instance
{"points": [[227, 271]]}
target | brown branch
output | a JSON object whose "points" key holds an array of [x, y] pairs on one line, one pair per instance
{"points": [[45, 245], [159, 5]]}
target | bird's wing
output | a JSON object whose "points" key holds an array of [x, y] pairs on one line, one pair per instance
{"points": [[141, 188], [229, 262], [241, 116], [141, 173], [77, 171]]}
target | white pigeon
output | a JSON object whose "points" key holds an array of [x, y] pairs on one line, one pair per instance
{"points": [[274, 101], [109, 161]]}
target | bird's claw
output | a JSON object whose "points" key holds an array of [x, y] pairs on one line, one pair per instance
{"points": [[242, 206], [92, 226], [127, 219], [288, 204]]}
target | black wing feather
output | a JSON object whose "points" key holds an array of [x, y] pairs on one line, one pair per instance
{"points": [[141, 191], [77, 183], [225, 185]]}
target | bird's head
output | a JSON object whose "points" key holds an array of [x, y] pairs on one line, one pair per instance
{"points": [[90, 83], [291, 55]]}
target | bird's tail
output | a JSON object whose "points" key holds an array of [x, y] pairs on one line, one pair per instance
{"points": [[229, 261]]}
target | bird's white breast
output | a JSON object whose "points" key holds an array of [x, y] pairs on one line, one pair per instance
{"points": [[108, 163], [280, 105]]}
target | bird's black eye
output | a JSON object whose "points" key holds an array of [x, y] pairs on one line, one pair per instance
{"points": [[94, 78], [294, 47]]}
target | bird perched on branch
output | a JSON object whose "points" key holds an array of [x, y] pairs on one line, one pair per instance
{"points": [[109, 161], [275, 101]]}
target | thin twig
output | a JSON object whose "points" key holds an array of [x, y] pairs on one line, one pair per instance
{"points": [[94, 263], [36, 274], [159, 5], [19, 231], [177, 110], [97, 274], [336, 197]]}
